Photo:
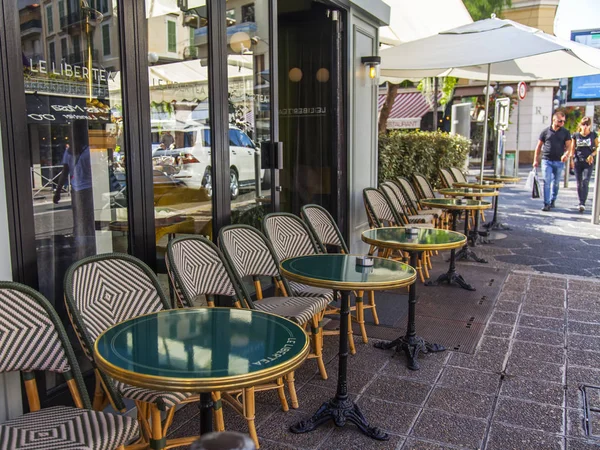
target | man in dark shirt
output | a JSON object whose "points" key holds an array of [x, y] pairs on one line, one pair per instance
{"points": [[554, 144]]}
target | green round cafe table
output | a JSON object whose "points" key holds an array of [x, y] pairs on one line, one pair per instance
{"points": [[455, 206], [397, 238], [494, 224], [201, 350], [342, 273]]}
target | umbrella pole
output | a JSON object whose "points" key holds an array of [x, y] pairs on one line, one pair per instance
{"points": [[485, 121]]}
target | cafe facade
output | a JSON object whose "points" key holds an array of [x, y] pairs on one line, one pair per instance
{"points": [[175, 117]]}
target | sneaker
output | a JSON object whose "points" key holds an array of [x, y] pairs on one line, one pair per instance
{"points": [[552, 205], [581, 208], [546, 208]]}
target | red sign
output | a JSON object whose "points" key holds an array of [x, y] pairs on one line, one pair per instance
{"points": [[522, 90]]}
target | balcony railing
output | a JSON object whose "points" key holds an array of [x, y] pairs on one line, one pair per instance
{"points": [[81, 57], [75, 18], [32, 24]]}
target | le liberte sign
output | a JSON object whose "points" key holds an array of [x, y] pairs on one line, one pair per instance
{"points": [[72, 71]]}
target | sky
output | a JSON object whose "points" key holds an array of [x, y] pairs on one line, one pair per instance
{"points": [[573, 15]]}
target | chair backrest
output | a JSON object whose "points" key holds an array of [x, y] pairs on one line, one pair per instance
{"points": [[250, 254], [199, 268], [423, 185], [446, 177], [379, 206], [458, 175], [389, 189], [289, 235], [409, 192], [32, 337], [323, 227]]}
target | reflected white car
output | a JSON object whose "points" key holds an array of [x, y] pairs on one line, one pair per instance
{"points": [[193, 161]]}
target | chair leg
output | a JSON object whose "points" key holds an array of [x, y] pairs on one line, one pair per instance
{"points": [[419, 270], [218, 411], [424, 265], [350, 336], [249, 413], [360, 316], [289, 378], [317, 341], [99, 395], [156, 441], [281, 393], [374, 308]]}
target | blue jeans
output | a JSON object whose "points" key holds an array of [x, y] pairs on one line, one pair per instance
{"points": [[551, 173]]}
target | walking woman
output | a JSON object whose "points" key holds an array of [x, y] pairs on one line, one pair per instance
{"points": [[584, 147]]}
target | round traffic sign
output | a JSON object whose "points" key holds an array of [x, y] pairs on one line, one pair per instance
{"points": [[522, 90]]}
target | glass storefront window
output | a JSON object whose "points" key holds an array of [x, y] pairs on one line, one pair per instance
{"points": [[248, 74], [74, 122]]}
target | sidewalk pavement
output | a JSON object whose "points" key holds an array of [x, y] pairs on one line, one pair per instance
{"points": [[521, 388]]}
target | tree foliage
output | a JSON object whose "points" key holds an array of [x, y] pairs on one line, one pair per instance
{"points": [[483, 9]]}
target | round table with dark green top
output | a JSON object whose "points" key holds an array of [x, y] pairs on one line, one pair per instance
{"points": [[342, 273], [397, 238], [455, 206], [494, 224], [201, 350]]}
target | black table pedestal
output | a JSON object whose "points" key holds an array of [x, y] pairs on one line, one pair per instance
{"points": [[341, 409], [494, 224], [206, 410], [452, 276], [411, 344], [465, 252]]}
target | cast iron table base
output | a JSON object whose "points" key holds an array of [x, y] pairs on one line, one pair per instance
{"points": [[341, 409], [494, 224], [206, 410], [452, 276], [466, 252], [410, 343]]}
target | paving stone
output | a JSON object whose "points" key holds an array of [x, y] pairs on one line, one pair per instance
{"points": [[266, 444], [583, 375], [543, 311], [516, 280], [575, 444], [311, 397], [521, 259], [470, 380], [493, 345], [508, 306], [558, 269], [351, 438], [416, 444], [450, 428], [396, 390], [431, 366], [583, 342], [584, 316], [369, 359], [529, 415], [585, 301], [357, 379], [584, 285], [536, 370], [583, 358], [534, 390], [573, 396], [499, 330], [503, 437], [539, 336], [546, 296], [575, 421], [507, 318], [455, 401], [515, 296], [590, 329], [547, 282], [392, 417], [488, 362], [277, 429], [538, 352], [546, 323]]}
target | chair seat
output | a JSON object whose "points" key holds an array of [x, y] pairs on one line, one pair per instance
{"points": [[64, 428], [164, 400], [421, 218], [433, 211], [297, 309], [304, 290], [421, 225]]}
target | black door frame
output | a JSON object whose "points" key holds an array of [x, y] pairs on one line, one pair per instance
{"points": [[133, 47]]}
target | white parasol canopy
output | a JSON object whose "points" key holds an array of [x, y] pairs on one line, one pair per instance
{"points": [[490, 49]]}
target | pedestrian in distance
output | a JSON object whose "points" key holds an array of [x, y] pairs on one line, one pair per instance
{"points": [[584, 148], [554, 145]]}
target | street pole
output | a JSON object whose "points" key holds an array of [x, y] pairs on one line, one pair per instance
{"points": [[517, 146], [485, 123], [435, 103]]}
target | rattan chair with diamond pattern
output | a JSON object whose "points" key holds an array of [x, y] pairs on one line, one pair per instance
{"points": [[200, 268], [413, 197], [106, 289], [458, 175], [251, 256], [446, 178], [327, 234], [32, 338], [290, 237]]}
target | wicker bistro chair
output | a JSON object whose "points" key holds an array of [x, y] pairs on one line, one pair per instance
{"points": [[423, 186], [33, 339], [250, 254], [291, 237], [446, 177], [458, 175], [379, 207], [200, 268], [326, 233], [413, 197], [101, 291]]}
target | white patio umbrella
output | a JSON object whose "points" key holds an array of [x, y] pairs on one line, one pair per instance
{"points": [[490, 49]]}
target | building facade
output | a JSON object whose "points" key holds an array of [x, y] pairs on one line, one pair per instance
{"points": [[124, 123]]}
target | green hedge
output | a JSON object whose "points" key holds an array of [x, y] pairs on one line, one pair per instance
{"points": [[402, 153]]}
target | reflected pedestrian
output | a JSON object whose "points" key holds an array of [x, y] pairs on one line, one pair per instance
{"points": [[584, 147], [555, 146]]}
